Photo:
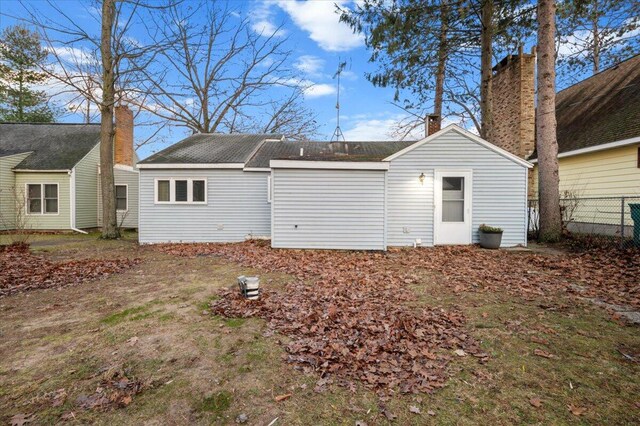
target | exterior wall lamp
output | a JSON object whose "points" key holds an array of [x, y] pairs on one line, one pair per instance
{"points": [[421, 178]]}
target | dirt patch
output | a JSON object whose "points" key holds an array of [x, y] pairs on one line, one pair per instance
{"points": [[24, 271]]}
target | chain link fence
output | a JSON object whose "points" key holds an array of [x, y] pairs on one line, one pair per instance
{"points": [[596, 221]]}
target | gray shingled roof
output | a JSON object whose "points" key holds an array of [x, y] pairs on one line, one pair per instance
{"points": [[325, 151], [53, 146], [211, 148], [601, 109]]}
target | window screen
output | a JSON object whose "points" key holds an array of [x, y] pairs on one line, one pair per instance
{"points": [[163, 191], [51, 198], [34, 199], [198, 191], [453, 199], [121, 197], [181, 191]]}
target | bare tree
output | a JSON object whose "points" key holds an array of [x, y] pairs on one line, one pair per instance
{"points": [[595, 34], [100, 69], [546, 139], [220, 76]]}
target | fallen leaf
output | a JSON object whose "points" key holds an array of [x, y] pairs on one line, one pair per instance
{"points": [[536, 402], [415, 410], [544, 354], [282, 397], [132, 341], [22, 419], [431, 413], [576, 410], [539, 340], [460, 352]]}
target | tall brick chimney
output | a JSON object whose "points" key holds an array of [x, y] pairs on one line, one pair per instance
{"points": [[432, 124], [123, 144], [513, 103]]}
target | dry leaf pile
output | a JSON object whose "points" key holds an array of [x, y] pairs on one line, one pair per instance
{"points": [[354, 322], [117, 389], [23, 270], [612, 276]]}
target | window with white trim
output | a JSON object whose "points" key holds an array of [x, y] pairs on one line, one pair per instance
{"points": [[181, 191], [42, 198], [122, 198]]}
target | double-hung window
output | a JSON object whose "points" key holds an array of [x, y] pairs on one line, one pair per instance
{"points": [[122, 198], [181, 191], [42, 198]]}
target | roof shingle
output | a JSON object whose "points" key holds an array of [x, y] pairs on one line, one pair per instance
{"points": [[54, 146], [211, 148], [325, 151], [601, 109]]}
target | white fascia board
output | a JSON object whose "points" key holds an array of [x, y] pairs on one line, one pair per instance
{"points": [[192, 166], [467, 134], [125, 167], [604, 146], [335, 165], [41, 171], [17, 153], [257, 169]]}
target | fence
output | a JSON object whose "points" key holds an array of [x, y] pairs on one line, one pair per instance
{"points": [[595, 220]]}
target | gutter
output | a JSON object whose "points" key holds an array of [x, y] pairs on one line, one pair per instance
{"points": [[72, 201]]}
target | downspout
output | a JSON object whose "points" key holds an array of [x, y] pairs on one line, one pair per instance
{"points": [[72, 201]]}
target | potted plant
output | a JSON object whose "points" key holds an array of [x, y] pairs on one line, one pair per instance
{"points": [[490, 236]]}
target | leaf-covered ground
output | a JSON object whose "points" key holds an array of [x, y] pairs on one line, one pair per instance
{"points": [[23, 270], [143, 347], [349, 315]]}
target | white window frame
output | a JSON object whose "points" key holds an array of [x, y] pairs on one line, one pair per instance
{"points": [[269, 195], [42, 198], [126, 186], [172, 191]]}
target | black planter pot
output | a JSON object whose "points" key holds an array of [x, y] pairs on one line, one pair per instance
{"points": [[490, 240]]}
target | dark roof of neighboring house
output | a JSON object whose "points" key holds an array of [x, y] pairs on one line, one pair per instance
{"points": [[53, 146], [325, 151], [211, 148], [601, 109]]}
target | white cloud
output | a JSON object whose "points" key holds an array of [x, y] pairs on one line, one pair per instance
{"points": [[318, 90], [320, 20], [372, 129], [310, 65], [262, 21]]}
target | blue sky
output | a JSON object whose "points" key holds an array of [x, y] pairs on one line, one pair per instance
{"points": [[319, 41]]}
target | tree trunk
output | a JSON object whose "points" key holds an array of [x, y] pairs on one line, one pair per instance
{"points": [[442, 62], [546, 139], [109, 221], [486, 57], [596, 39]]}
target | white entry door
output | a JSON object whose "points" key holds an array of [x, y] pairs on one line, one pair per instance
{"points": [[452, 196]]}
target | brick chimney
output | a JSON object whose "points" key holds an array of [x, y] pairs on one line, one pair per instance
{"points": [[513, 103], [432, 124], [123, 144]]}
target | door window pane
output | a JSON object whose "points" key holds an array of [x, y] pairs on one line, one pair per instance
{"points": [[34, 199], [163, 190], [181, 190], [121, 197], [453, 199], [198, 191], [452, 211]]}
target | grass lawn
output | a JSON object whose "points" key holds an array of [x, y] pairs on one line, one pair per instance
{"points": [[152, 322]]}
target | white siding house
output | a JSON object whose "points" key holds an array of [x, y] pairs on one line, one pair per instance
{"points": [[328, 208], [339, 195]]}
